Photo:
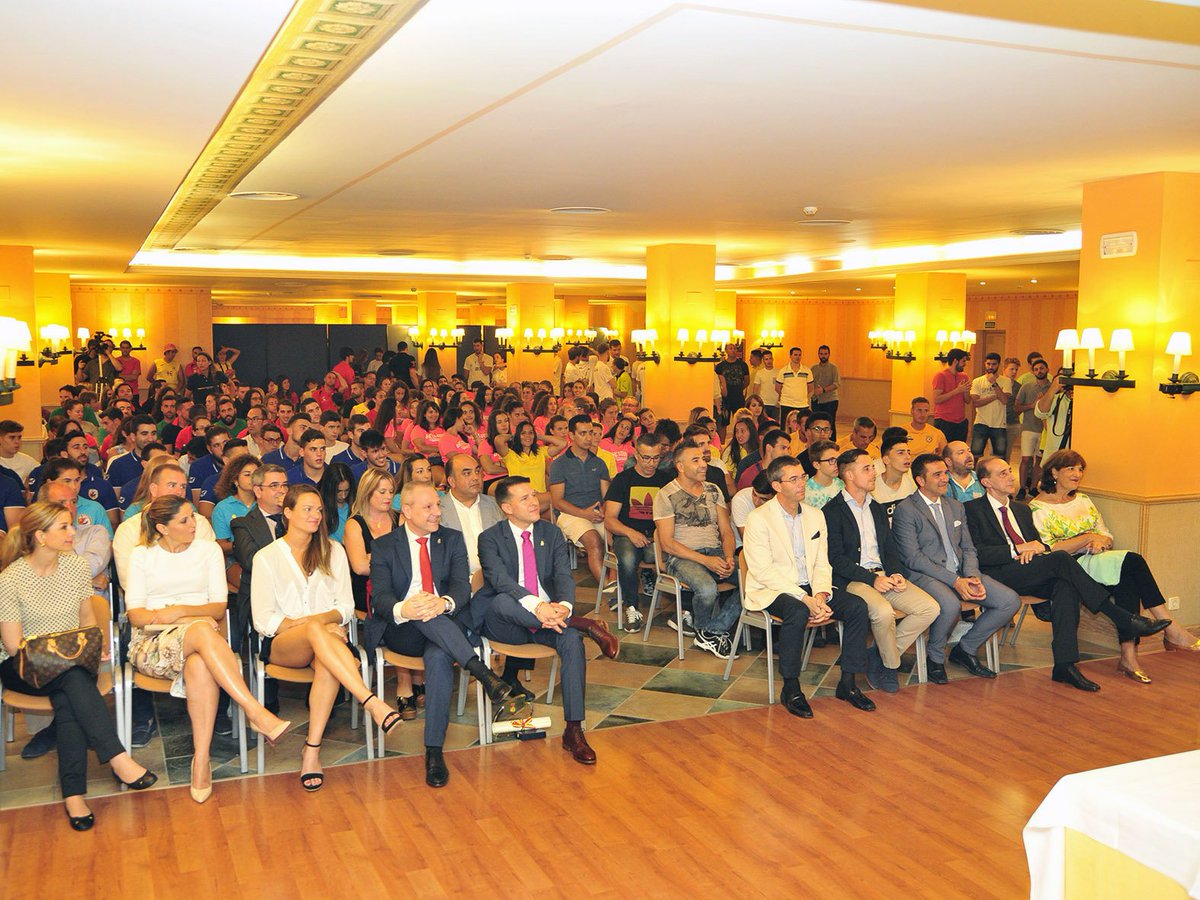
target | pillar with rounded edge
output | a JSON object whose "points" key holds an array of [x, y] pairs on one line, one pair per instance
{"points": [[363, 311], [926, 303], [529, 306], [680, 293], [438, 309], [1136, 442], [17, 301], [52, 298]]}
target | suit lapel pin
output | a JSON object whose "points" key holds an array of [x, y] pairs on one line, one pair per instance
{"points": [[541, 543]]}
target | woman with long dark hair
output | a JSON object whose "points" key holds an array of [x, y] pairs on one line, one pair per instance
{"points": [[302, 601], [337, 493]]}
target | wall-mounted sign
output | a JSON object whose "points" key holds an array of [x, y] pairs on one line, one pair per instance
{"points": [[1114, 246]]}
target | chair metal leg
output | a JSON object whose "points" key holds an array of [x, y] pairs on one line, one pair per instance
{"points": [[679, 619], [463, 682], [4, 734], [737, 633], [810, 635], [379, 679], [1012, 641], [553, 674], [260, 686], [650, 613], [240, 725], [770, 658], [920, 650]]}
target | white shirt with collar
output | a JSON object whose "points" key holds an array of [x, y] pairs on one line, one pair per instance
{"points": [[280, 590], [415, 586], [996, 507], [529, 601], [129, 535], [868, 538], [470, 520]]}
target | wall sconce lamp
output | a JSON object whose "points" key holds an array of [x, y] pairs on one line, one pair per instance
{"points": [[769, 339], [15, 342], [878, 340], [896, 342], [644, 341], [718, 340], [955, 338], [56, 345], [540, 347], [1180, 345], [581, 337], [504, 338], [414, 338], [444, 339], [1092, 340]]}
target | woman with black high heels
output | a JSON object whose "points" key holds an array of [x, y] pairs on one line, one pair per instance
{"points": [[301, 600], [45, 588]]}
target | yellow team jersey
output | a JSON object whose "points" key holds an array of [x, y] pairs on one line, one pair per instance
{"points": [[928, 440]]}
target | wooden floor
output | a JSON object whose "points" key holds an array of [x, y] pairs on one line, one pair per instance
{"points": [[924, 798]]}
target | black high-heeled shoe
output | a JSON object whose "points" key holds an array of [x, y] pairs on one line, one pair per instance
{"points": [[146, 780], [81, 823], [390, 721], [306, 777]]}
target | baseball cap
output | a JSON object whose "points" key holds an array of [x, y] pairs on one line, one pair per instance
{"points": [[169, 347]]}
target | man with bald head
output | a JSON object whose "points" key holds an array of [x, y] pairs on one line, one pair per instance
{"points": [[959, 459], [420, 584]]}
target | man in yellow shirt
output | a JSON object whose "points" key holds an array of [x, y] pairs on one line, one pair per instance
{"points": [[863, 436], [167, 369], [923, 437]]}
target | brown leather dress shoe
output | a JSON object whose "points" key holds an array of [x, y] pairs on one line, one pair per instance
{"points": [[576, 744], [598, 631]]}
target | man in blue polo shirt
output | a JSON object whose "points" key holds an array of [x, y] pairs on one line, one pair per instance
{"points": [[74, 447], [129, 466], [578, 483], [312, 459], [12, 498], [215, 439], [372, 444], [353, 455], [289, 454], [61, 470]]}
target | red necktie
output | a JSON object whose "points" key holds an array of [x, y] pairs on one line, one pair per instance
{"points": [[1012, 533], [426, 566]]}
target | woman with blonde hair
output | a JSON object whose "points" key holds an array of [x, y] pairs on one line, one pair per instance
{"points": [[45, 588], [176, 595], [301, 601]]}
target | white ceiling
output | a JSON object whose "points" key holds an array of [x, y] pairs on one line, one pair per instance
{"points": [[694, 123]]}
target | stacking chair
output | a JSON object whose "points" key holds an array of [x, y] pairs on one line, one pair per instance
{"points": [[385, 657], [991, 649], [665, 582], [154, 685], [491, 649], [263, 671], [108, 682], [1026, 602], [610, 565]]}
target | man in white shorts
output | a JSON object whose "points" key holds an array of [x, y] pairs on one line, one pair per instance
{"points": [[578, 483]]}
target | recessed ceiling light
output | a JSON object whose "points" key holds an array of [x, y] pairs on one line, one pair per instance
{"points": [[823, 222], [983, 282], [793, 293], [555, 257], [580, 210], [395, 251], [858, 289], [290, 284], [1033, 281], [269, 196], [1034, 231], [846, 241]]}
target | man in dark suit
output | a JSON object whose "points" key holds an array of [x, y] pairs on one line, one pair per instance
{"points": [[529, 595], [420, 581], [251, 532], [865, 563], [1010, 551], [936, 551]]}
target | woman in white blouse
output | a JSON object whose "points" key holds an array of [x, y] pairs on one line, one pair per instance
{"points": [[301, 601], [176, 594]]}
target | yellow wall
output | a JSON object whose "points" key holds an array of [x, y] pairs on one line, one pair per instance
{"points": [[808, 323], [178, 315], [1029, 321]]}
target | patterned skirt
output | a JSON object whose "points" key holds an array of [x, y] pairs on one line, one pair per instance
{"points": [[159, 654]]}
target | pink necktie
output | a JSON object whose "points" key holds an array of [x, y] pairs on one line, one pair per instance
{"points": [[529, 562]]}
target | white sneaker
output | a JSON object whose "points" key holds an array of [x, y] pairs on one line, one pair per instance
{"points": [[709, 642], [633, 619]]}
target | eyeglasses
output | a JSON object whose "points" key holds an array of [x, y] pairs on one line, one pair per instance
{"points": [[793, 479], [653, 459], [274, 485], [831, 459]]}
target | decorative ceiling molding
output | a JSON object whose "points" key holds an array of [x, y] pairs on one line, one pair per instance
{"points": [[320, 44]]}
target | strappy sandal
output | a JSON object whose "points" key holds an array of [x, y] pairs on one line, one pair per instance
{"points": [[319, 777], [390, 721]]}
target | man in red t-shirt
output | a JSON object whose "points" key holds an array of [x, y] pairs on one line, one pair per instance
{"points": [[327, 394], [344, 371], [950, 388]]}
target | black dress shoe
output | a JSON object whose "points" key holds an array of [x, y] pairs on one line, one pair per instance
{"points": [[797, 705], [497, 689], [436, 773], [1042, 611], [961, 657], [855, 698], [936, 672], [519, 690], [41, 743], [82, 823], [1140, 626], [1072, 676]]}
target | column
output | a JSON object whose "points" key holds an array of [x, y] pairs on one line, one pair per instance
{"points": [[17, 301], [926, 302], [529, 306], [680, 293], [328, 314], [1138, 442], [362, 311], [437, 309], [52, 299]]}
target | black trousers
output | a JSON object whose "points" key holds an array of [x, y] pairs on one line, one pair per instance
{"points": [[441, 642], [1060, 579], [851, 611], [1137, 587], [954, 431], [81, 719]]}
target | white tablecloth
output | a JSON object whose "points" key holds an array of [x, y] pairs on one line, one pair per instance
{"points": [[1148, 810]]}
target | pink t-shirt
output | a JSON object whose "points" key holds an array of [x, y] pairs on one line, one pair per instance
{"points": [[131, 371], [452, 442], [954, 409], [432, 438], [343, 369], [620, 452], [486, 449]]}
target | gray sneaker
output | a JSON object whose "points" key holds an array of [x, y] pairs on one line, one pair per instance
{"points": [[688, 629], [633, 619], [711, 643]]}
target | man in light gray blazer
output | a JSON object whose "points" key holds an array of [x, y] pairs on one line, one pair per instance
{"points": [[467, 509], [936, 552]]}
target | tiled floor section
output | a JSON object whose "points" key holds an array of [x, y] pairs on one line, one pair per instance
{"points": [[645, 683]]}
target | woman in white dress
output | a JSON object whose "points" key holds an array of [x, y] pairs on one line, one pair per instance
{"points": [[176, 595]]}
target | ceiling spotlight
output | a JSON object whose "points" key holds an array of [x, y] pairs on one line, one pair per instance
{"points": [[1033, 281], [1036, 231], [819, 223], [269, 196], [289, 284], [555, 257], [858, 289], [395, 251], [580, 210], [982, 282]]}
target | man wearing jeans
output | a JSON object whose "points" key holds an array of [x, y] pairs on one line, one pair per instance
{"points": [[826, 380], [692, 522], [990, 393], [629, 519]]}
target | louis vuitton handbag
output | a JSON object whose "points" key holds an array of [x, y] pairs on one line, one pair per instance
{"points": [[42, 658]]}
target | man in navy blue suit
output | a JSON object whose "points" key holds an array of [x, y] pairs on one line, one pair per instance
{"points": [[420, 583], [529, 596]]}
